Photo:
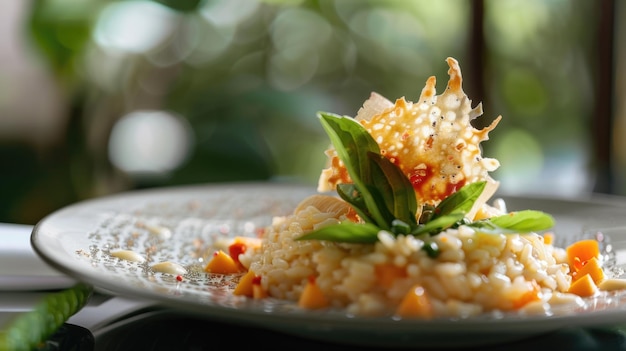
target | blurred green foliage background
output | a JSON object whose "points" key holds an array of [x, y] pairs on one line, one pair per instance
{"points": [[138, 94]]}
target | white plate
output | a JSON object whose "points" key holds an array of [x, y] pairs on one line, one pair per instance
{"points": [[175, 224]]}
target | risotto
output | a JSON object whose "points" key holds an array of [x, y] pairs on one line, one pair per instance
{"points": [[412, 229], [475, 272]]}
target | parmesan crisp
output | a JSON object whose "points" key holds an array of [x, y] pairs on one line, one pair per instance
{"points": [[431, 140]]}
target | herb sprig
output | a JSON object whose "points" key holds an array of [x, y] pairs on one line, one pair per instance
{"points": [[384, 198]]}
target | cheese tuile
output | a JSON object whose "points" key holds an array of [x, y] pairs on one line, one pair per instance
{"points": [[432, 141]]}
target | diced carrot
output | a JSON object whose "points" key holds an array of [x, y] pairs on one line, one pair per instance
{"points": [[244, 287], [582, 251], [312, 296], [591, 267], [222, 263], [387, 273], [257, 290], [529, 296], [575, 264], [583, 286], [415, 304], [548, 238]]}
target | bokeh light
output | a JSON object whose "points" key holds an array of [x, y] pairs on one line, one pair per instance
{"points": [[149, 143], [134, 26]]}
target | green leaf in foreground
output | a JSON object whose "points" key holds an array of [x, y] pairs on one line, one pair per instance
{"points": [[515, 222], [31, 328]]}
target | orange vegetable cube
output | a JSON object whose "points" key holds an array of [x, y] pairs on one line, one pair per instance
{"points": [[244, 287], [312, 296], [387, 273], [548, 238], [591, 267], [581, 251], [583, 286], [529, 296], [222, 263], [257, 290], [415, 304]]}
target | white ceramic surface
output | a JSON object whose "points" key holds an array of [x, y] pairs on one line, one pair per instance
{"points": [[180, 224]]}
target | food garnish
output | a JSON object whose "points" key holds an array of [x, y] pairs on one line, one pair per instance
{"points": [[385, 199]]}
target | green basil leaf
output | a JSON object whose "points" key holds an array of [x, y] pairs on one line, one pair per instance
{"points": [[395, 189], [486, 226], [427, 213], [352, 143], [431, 248], [438, 224], [350, 194], [400, 227], [345, 232], [460, 201], [523, 221]]}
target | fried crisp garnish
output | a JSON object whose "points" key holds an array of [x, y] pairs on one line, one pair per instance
{"points": [[431, 140]]}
